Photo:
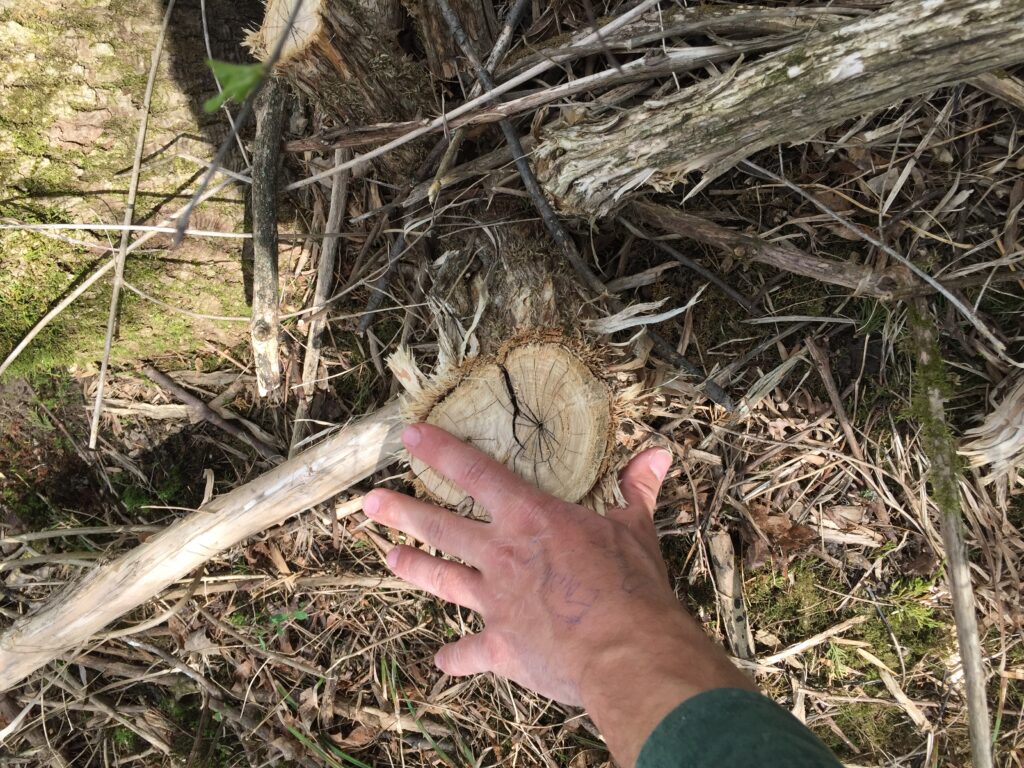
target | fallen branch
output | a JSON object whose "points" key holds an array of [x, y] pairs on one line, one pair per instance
{"points": [[861, 279], [112, 590], [913, 47], [266, 325]]}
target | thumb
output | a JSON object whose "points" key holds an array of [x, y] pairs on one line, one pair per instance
{"points": [[641, 480]]}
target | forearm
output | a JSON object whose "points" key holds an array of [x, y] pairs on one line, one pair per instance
{"points": [[629, 689]]}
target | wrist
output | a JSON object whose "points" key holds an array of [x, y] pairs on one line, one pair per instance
{"points": [[631, 685]]}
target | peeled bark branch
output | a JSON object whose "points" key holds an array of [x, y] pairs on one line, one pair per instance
{"points": [[109, 591], [788, 96]]}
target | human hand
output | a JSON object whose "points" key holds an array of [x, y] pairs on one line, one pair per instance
{"points": [[576, 607]]}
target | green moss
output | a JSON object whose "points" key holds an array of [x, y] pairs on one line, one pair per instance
{"points": [[791, 608], [125, 739], [876, 728], [924, 633], [29, 507]]}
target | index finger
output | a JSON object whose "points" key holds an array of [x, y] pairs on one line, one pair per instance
{"points": [[493, 485]]}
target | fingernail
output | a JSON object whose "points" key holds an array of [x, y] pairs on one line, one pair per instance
{"points": [[660, 462], [412, 436], [371, 503], [392, 558]]}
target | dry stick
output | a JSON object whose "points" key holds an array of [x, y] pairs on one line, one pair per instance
{"points": [[940, 448], [324, 282], [201, 411], [265, 331], [798, 648], [694, 266], [88, 283], [124, 229], [113, 589], [443, 121], [129, 216], [862, 280], [729, 591], [825, 370], [552, 223]]}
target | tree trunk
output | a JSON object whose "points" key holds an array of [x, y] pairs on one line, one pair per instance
{"points": [[789, 96], [443, 54]]}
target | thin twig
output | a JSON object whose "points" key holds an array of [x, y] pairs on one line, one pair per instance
{"points": [[694, 266], [129, 216], [324, 282], [201, 410], [125, 229], [825, 371]]}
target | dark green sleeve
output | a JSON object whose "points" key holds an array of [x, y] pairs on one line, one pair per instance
{"points": [[732, 728]]}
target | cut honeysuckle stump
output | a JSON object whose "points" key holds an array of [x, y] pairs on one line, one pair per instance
{"points": [[541, 406]]}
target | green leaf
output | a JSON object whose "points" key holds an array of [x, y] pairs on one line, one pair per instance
{"points": [[237, 81]]}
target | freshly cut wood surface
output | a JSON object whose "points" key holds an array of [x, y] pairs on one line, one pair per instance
{"points": [[110, 591], [539, 410]]}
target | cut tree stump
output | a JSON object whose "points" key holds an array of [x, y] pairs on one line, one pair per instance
{"points": [[538, 408], [788, 96]]}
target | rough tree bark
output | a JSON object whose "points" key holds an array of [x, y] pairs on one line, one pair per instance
{"points": [[265, 328], [442, 53], [789, 96]]}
